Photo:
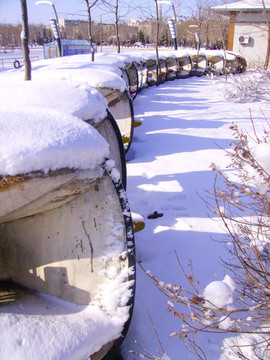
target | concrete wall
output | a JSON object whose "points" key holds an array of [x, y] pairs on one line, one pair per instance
{"points": [[255, 50]]}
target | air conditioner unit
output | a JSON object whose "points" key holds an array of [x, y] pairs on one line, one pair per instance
{"points": [[243, 39]]}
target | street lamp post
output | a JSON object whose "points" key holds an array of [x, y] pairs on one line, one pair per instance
{"points": [[197, 36], [175, 20], [55, 25]]}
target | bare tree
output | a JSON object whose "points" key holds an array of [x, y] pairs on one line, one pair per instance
{"points": [[89, 7], [116, 15], [266, 63], [157, 40], [24, 39], [115, 10], [212, 27]]}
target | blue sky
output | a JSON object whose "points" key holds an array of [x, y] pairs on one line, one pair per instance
{"points": [[10, 10]]}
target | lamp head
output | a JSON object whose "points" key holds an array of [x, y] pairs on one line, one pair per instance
{"points": [[44, 2], [164, 2]]}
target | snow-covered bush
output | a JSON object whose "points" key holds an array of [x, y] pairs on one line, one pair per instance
{"points": [[249, 87], [239, 305]]}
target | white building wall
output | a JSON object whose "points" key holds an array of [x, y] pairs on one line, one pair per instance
{"points": [[255, 50]]}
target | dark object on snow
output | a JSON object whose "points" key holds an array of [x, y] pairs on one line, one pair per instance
{"points": [[114, 354], [155, 215]]}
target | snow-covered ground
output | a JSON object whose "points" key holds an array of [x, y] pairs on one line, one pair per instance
{"points": [[185, 126], [8, 57]]}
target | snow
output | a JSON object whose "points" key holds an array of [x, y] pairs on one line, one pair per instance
{"points": [[168, 54], [226, 323], [242, 5], [247, 344], [218, 294], [119, 60], [77, 68], [181, 52], [261, 153], [83, 101], [46, 139], [109, 165], [52, 329], [219, 53], [186, 126]]}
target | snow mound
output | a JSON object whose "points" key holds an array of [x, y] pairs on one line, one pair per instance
{"points": [[78, 99], [218, 294], [76, 68], [35, 138], [53, 329], [261, 153], [120, 60]]}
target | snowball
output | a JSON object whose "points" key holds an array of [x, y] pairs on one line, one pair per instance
{"points": [[137, 217], [218, 294], [261, 153], [225, 323], [229, 281]]}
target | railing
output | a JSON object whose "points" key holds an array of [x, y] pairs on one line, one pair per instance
{"points": [[14, 62]]}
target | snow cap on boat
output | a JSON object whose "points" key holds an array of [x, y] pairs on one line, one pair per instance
{"points": [[42, 139], [78, 99], [75, 68]]}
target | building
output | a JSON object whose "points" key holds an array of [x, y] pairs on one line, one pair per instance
{"points": [[133, 22], [148, 28], [65, 22], [248, 29], [68, 47]]}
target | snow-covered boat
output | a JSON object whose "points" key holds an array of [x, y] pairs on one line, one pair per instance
{"points": [[78, 99], [100, 75], [66, 239], [128, 67], [141, 65], [163, 68], [184, 64], [215, 60], [133, 80], [121, 107], [151, 71], [172, 65], [199, 63], [142, 72], [155, 71], [235, 62]]}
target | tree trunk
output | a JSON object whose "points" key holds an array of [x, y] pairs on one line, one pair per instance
{"points": [[157, 39], [266, 63], [90, 29], [24, 40], [117, 27]]}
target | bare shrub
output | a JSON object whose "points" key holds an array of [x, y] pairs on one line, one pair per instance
{"points": [[145, 354], [249, 87], [239, 306]]}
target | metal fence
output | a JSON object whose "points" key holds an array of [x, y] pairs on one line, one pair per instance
{"points": [[14, 62]]}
